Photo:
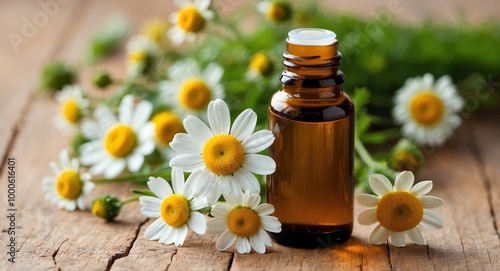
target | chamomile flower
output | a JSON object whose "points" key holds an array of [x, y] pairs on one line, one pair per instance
{"points": [[155, 29], [73, 105], [275, 10], [167, 125], [243, 220], [177, 210], [189, 20], [189, 90], [428, 110], [226, 155], [399, 211], [142, 54], [118, 143], [69, 186], [260, 65]]}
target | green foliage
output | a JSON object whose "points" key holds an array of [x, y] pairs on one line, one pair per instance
{"points": [[55, 75]]}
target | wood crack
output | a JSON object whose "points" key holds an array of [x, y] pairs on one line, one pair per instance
{"points": [[389, 255], [230, 261], [55, 254], [117, 256], [172, 258], [476, 153]]}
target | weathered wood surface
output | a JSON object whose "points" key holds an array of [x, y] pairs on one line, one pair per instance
{"points": [[465, 172]]}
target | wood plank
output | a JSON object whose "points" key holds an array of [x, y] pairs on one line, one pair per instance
{"points": [[468, 240]]}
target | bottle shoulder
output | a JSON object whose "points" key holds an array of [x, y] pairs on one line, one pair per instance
{"points": [[326, 107]]}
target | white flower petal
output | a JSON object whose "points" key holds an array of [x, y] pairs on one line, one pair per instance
{"points": [[225, 240], [93, 157], [160, 187], [368, 200], [221, 210], [258, 141], [431, 201], [216, 225], [265, 237], [70, 205], [379, 235], [368, 217], [257, 244], [135, 161], [197, 222], [178, 181], [151, 204], [197, 129], [422, 188], [115, 168], [185, 144], [181, 234], [141, 115], [197, 204], [432, 220], [146, 148], [404, 181], [189, 186], [218, 117], [398, 239], [259, 164], [126, 109], [213, 73], [169, 235], [214, 191], [102, 165], [243, 245], [154, 230], [244, 124], [264, 209], [270, 223], [247, 180], [188, 162], [380, 184], [416, 236]]}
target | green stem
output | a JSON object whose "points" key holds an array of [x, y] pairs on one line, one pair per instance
{"points": [[363, 153], [130, 199], [133, 178]]}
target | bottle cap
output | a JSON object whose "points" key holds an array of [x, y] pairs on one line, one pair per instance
{"points": [[311, 36]]}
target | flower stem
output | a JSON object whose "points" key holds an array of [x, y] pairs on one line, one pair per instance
{"points": [[370, 162], [130, 199]]}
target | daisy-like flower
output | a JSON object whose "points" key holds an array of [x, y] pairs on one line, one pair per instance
{"points": [[167, 125], [260, 65], [243, 220], [428, 110], [155, 29], [189, 91], [226, 155], [275, 10], [118, 143], [177, 210], [73, 105], [69, 186], [142, 54], [189, 20], [399, 210]]}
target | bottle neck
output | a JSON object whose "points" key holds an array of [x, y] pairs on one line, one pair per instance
{"points": [[312, 70]]}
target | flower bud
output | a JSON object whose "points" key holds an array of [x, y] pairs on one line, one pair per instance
{"points": [[102, 79], [106, 207], [55, 75], [406, 156]]}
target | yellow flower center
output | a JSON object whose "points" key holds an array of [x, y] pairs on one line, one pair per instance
{"points": [[277, 12], [195, 94], [223, 154], [155, 29], [175, 210], [71, 111], [260, 64], [399, 211], [98, 209], [120, 140], [69, 185], [243, 221], [167, 124], [427, 108], [190, 19], [137, 57]]}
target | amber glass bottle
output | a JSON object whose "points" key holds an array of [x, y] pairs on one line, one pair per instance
{"points": [[313, 121]]}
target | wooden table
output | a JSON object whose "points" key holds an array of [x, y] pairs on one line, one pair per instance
{"points": [[465, 173]]}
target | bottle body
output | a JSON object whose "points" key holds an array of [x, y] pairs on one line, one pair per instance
{"points": [[313, 122]]}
